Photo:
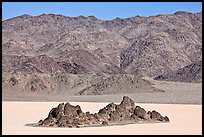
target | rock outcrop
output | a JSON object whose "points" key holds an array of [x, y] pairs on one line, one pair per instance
{"points": [[67, 115]]}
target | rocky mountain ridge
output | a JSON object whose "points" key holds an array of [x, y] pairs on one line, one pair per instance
{"points": [[39, 50]]}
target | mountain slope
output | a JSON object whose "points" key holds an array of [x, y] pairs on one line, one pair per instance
{"points": [[190, 73], [49, 44]]}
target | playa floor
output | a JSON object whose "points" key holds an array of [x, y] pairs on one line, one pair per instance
{"points": [[184, 120]]}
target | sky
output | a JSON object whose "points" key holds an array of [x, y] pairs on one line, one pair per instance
{"points": [[101, 10]]}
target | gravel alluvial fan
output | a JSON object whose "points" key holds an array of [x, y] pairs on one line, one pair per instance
{"points": [[85, 55]]}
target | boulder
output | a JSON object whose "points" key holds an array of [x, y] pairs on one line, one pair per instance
{"points": [[115, 116], [71, 111], [128, 103], [57, 111], [120, 108], [108, 109], [134, 118], [166, 119], [140, 112], [156, 116], [105, 123]]}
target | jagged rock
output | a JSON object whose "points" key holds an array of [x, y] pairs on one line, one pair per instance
{"points": [[120, 108], [90, 118], [98, 117], [128, 103], [58, 111], [156, 116], [140, 112], [108, 109], [166, 118], [115, 116], [78, 110], [63, 121], [72, 111], [48, 121], [105, 123], [40, 122], [104, 116], [125, 108], [67, 115], [111, 107], [134, 118], [125, 115]]}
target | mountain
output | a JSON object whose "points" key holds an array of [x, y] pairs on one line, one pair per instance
{"points": [[45, 52], [190, 73]]}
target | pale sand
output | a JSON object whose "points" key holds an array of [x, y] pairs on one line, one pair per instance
{"points": [[184, 119]]}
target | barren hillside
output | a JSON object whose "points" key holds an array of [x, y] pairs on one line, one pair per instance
{"points": [[85, 55]]}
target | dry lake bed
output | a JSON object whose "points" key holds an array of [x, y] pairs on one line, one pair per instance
{"points": [[185, 119]]}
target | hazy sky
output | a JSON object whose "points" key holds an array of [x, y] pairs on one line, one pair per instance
{"points": [[102, 10]]}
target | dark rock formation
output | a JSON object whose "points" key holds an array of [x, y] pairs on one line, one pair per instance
{"points": [[140, 112], [154, 115], [67, 115]]}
